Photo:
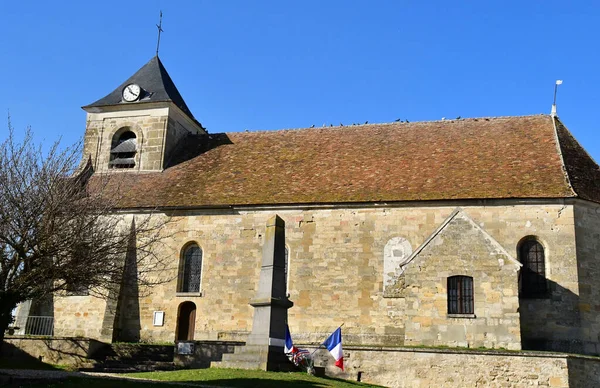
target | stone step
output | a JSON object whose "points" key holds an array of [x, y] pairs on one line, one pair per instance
{"points": [[137, 352], [133, 362], [134, 359], [254, 349], [122, 370], [238, 365], [245, 356]]}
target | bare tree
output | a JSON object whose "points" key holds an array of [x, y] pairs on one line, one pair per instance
{"points": [[60, 228]]}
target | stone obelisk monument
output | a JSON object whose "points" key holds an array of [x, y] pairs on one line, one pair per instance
{"points": [[264, 347]]}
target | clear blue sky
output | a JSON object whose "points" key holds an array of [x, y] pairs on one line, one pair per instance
{"points": [[287, 64]]}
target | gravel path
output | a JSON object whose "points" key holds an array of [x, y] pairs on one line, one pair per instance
{"points": [[59, 374]]}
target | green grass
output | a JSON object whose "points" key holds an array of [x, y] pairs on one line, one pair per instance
{"points": [[213, 377], [249, 378]]}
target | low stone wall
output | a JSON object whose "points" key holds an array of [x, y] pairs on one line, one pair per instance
{"points": [[55, 350], [410, 367], [390, 367]]}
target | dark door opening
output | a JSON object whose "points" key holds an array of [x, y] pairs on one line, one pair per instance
{"points": [[186, 321]]}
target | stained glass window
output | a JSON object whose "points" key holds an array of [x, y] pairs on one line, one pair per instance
{"points": [[533, 273], [191, 269]]}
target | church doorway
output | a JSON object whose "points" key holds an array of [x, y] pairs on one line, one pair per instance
{"points": [[186, 321]]}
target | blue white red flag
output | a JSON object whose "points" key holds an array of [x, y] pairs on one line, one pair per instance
{"points": [[300, 356], [289, 347], [334, 345]]}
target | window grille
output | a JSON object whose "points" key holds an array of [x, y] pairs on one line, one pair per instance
{"points": [[460, 295], [191, 270], [533, 273]]}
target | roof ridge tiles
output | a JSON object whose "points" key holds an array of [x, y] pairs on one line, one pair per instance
{"points": [[412, 123]]}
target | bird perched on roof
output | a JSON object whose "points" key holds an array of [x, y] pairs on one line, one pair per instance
{"points": [[312, 126], [458, 118], [367, 122], [397, 120]]}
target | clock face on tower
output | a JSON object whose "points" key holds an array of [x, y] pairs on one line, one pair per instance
{"points": [[132, 92]]}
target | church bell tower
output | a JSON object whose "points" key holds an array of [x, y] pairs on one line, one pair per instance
{"points": [[139, 125]]}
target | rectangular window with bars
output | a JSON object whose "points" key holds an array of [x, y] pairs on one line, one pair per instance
{"points": [[460, 295]]}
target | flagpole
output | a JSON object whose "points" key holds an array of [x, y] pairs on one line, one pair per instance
{"points": [[320, 345], [314, 351]]}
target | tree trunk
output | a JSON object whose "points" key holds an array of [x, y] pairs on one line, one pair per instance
{"points": [[7, 305]]}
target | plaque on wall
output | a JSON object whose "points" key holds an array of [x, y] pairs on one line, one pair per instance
{"points": [[185, 348], [159, 318]]}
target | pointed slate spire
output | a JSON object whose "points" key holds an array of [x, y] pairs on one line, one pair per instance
{"points": [[156, 84]]}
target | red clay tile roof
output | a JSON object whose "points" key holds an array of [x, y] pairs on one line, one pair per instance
{"points": [[506, 157], [583, 172]]}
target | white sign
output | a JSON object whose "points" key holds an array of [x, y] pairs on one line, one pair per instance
{"points": [[277, 342], [159, 318]]}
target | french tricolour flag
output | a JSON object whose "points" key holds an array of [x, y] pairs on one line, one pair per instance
{"points": [[334, 345], [289, 347]]}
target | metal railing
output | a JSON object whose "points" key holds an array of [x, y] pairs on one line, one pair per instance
{"points": [[39, 326]]}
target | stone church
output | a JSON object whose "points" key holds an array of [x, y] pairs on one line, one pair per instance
{"points": [[479, 233]]}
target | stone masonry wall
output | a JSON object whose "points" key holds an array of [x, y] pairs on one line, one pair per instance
{"points": [[336, 271], [462, 248], [179, 127], [149, 126], [583, 371], [421, 368], [61, 351], [587, 227], [554, 322], [78, 316]]}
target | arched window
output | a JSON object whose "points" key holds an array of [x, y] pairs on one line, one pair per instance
{"points": [[190, 270], [460, 295], [533, 273], [123, 150]]}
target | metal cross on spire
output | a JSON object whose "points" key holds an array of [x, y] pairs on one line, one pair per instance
{"points": [[159, 26]]}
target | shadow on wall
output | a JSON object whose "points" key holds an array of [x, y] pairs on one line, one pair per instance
{"points": [[193, 145], [587, 232], [551, 322], [43, 307], [583, 372], [36, 352], [12, 356], [127, 319]]}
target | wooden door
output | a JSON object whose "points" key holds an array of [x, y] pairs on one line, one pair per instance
{"points": [[186, 321]]}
